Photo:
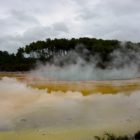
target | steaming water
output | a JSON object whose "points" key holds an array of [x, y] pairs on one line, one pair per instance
{"points": [[85, 72], [62, 115], [124, 64]]}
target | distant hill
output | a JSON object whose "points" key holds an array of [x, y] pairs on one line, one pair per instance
{"points": [[65, 51]]}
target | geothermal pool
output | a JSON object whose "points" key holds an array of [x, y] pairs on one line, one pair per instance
{"points": [[40, 109]]}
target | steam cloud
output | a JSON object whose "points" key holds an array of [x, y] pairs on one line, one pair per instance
{"points": [[124, 64]]}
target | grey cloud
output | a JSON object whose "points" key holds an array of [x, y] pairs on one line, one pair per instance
{"points": [[22, 21], [111, 20], [60, 27], [23, 16], [17, 21], [12, 42], [121, 8]]}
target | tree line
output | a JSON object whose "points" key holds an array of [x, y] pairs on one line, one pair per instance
{"points": [[45, 51]]}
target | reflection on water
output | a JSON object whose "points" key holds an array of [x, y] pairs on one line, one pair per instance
{"points": [[33, 113]]}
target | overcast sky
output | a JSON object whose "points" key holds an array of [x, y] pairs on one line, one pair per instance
{"points": [[24, 21]]}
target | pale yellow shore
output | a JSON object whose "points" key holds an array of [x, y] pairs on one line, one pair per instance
{"points": [[69, 133], [44, 135]]}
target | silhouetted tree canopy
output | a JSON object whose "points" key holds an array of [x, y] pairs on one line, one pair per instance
{"points": [[45, 51]]}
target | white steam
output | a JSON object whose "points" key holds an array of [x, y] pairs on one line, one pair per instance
{"points": [[87, 72], [124, 64]]}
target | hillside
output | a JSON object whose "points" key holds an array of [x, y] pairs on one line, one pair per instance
{"points": [[67, 51]]}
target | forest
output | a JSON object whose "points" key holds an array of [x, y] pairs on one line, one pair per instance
{"points": [[47, 51]]}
